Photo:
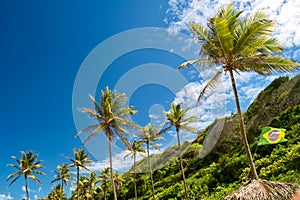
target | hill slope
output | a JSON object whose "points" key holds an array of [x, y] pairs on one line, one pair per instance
{"points": [[226, 167]]}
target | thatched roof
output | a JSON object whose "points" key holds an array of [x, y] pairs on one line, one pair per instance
{"points": [[264, 190]]}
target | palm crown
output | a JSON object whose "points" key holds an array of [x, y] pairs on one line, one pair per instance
{"points": [[28, 166]]}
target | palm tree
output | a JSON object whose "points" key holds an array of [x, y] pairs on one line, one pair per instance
{"points": [[57, 193], [239, 44], [113, 118], [81, 161], [118, 180], [134, 149], [149, 134], [104, 178], [88, 186], [177, 118], [27, 166], [62, 175]]}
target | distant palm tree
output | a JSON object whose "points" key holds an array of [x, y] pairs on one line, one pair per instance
{"points": [[177, 117], [81, 161], [57, 193], [88, 186], [118, 180], [134, 149], [104, 178], [149, 134], [113, 118], [27, 166], [239, 44], [62, 175]]}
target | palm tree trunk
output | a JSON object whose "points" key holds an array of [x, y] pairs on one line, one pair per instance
{"points": [[242, 126], [77, 188], [111, 170], [135, 191], [181, 164], [104, 192], [62, 184], [26, 187], [150, 169]]}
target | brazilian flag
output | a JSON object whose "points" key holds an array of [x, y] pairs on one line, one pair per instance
{"points": [[270, 135]]}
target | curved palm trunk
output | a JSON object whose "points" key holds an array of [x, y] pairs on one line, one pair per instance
{"points": [[181, 164], [26, 187], [111, 170], [242, 126], [135, 191], [150, 169], [77, 188]]}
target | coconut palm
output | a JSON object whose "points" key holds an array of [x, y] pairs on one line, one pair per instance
{"points": [[88, 186], [104, 178], [81, 161], [148, 135], [28, 166], [62, 175], [177, 117], [134, 149], [118, 180], [57, 193], [236, 44], [113, 119]]}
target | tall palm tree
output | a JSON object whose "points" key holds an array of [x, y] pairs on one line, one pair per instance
{"points": [[28, 166], [104, 178], [81, 161], [134, 149], [113, 119], [62, 175], [177, 117], [148, 135], [236, 44]]}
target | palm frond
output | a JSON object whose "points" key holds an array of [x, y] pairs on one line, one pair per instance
{"points": [[87, 129], [224, 35], [210, 85]]}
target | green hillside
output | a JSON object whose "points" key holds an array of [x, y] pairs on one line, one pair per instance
{"points": [[225, 167]]}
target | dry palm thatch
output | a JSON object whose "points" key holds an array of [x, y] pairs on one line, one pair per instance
{"points": [[264, 190]]}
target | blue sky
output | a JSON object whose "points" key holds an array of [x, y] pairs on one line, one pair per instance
{"points": [[44, 46]]}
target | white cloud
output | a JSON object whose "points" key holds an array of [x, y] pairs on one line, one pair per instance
{"points": [[285, 13], [5, 197]]}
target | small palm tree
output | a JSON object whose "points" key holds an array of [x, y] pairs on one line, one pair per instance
{"points": [[149, 134], [177, 117], [113, 119], [88, 186], [104, 178], [62, 175], [239, 44], [57, 193], [27, 166], [81, 161], [134, 149], [118, 180]]}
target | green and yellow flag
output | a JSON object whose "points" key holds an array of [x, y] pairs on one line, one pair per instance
{"points": [[270, 135]]}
